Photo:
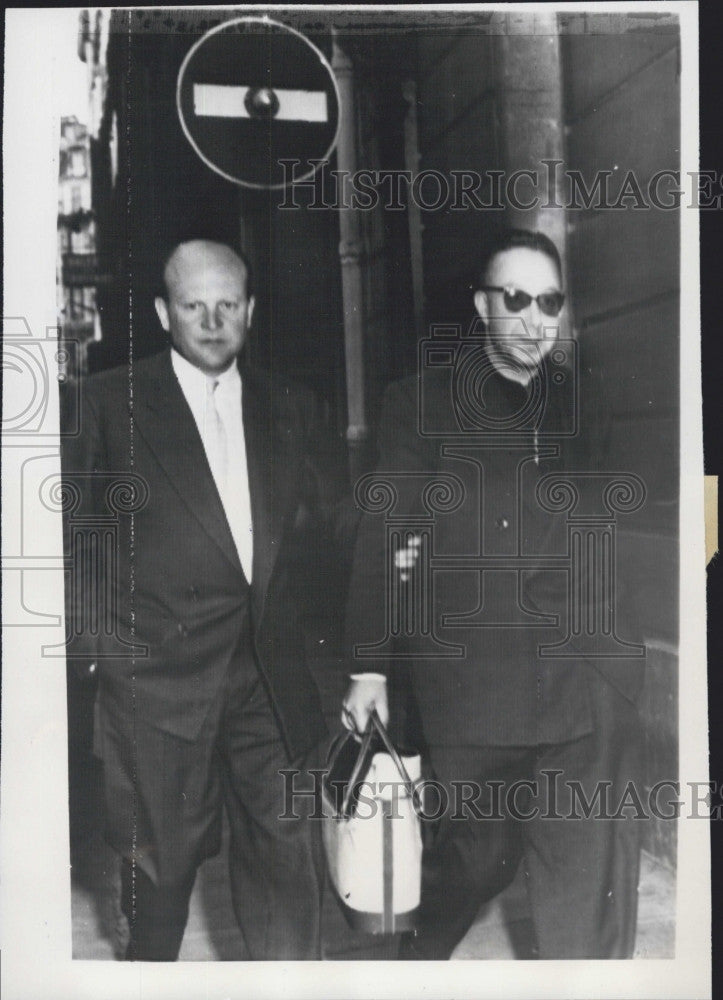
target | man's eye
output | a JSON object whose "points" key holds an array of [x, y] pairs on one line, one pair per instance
{"points": [[517, 299], [229, 306], [191, 306]]}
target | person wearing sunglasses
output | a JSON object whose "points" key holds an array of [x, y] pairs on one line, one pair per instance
{"points": [[520, 301], [508, 733]]}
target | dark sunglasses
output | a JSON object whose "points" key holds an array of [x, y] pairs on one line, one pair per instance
{"points": [[516, 300]]}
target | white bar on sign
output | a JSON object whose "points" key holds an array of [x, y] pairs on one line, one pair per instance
{"points": [[211, 100], [302, 105]]}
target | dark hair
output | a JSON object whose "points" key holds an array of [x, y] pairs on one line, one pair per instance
{"points": [[511, 239], [171, 243]]}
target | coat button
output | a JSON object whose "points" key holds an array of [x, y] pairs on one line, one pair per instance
{"points": [[501, 523], [182, 630], [193, 593]]}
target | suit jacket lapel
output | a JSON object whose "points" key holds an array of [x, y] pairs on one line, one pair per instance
{"points": [[163, 417]]}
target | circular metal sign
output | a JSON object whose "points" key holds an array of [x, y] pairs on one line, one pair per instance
{"points": [[253, 92]]}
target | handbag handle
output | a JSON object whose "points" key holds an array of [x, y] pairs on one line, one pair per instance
{"points": [[358, 764], [392, 751], [374, 723], [335, 748]]}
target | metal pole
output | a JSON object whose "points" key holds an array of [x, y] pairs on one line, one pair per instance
{"points": [[351, 254]]}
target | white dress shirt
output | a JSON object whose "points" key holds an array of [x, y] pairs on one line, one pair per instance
{"points": [[234, 491]]}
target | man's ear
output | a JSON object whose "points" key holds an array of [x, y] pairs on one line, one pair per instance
{"points": [[249, 310], [482, 305], [162, 311]]}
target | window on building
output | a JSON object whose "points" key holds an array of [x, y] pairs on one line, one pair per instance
{"points": [[76, 198], [77, 163]]}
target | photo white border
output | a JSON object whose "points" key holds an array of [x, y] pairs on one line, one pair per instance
{"points": [[35, 917]]}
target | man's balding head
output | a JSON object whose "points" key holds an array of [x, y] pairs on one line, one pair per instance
{"points": [[207, 308]]}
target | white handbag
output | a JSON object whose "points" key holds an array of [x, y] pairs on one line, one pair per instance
{"points": [[372, 832]]}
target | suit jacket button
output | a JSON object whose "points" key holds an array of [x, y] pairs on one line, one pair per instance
{"points": [[182, 630], [501, 523]]}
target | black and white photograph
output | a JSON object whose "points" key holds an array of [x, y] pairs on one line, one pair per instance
{"points": [[353, 538]]}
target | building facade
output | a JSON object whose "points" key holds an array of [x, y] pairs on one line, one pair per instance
{"points": [[77, 313]]}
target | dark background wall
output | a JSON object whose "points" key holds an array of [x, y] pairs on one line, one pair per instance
{"points": [[622, 99]]}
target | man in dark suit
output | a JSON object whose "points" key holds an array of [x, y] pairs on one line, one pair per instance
{"points": [[514, 728], [208, 470]]}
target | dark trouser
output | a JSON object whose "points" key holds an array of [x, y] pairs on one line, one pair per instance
{"points": [[176, 796], [582, 874]]}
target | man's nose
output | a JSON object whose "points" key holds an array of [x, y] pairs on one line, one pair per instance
{"points": [[536, 314], [211, 318], [533, 319]]}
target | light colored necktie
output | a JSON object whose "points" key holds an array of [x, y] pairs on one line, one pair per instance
{"points": [[231, 477], [215, 438]]}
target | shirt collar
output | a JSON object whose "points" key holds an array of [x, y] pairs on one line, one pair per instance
{"points": [[192, 379]]}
